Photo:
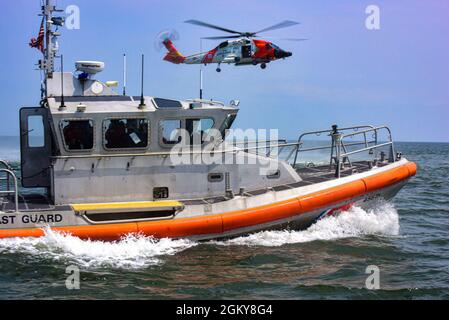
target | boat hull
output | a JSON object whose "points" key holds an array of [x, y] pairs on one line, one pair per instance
{"points": [[295, 213]]}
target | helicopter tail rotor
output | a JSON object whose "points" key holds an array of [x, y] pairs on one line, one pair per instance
{"points": [[163, 36], [165, 39], [173, 55]]}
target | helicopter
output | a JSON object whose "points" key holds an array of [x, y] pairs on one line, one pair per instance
{"points": [[240, 48]]}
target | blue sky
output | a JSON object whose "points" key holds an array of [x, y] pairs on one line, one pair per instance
{"points": [[345, 74]]}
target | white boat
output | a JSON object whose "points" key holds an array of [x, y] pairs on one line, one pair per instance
{"points": [[108, 165]]}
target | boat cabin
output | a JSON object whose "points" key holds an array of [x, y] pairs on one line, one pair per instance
{"points": [[89, 144]]}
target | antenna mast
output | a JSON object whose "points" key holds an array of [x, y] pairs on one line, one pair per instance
{"points": [[62, 106], [201, 84], [201, 71], [124, 74], [51, 47], [142, 104]]}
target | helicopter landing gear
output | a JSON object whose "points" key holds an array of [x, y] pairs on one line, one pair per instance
{"points": [[218, 68], [263, 66]]}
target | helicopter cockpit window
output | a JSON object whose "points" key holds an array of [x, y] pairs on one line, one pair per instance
{"points": [[223, 44], [125, 133], [78, 134]]}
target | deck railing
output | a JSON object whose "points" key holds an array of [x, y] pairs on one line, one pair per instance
{"points": [[339, 154], [339, 147], [266, 148], [6, 174], [268, 145]]}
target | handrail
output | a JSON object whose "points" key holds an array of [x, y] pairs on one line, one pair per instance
{"points": [[366, 149], [328, 147], [281, 144], [319, 132], [375, 130], [259, 141], [339, 146], [16, 189], [5, 164], [338, 136], [367, 131], [167, 153]]}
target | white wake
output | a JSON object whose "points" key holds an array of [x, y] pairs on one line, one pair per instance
{"points": [[139, 252], [382, 220], [132, 252]]}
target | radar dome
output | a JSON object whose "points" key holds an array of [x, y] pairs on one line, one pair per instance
{"points": [[89, 67]]}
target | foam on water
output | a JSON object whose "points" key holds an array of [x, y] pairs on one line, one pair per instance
{"points": [[381, 220], [132, 252], [139, 252]]}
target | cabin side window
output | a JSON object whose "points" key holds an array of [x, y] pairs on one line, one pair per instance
{"points": [[125, 133], [198, 129], [78, 134], [171, 131]]}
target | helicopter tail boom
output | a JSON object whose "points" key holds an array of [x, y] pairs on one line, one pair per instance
{"points": [[173, 55]]}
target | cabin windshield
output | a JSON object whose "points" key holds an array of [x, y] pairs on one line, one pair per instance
{"points": [[223, 44], [227, 124]]}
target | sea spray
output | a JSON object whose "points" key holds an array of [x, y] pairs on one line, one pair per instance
{"points": [[139, 252], [381, 220], [131, 252]]}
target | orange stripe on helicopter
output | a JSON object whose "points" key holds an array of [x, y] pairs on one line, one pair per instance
{"points": [[209, 57]]}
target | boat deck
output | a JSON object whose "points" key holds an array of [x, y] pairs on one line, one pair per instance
{"points": [[33, 202], [310, 175]]}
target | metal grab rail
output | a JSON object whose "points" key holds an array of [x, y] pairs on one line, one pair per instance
{"points": [[8, 167], [339, 140], [280, 144], [230, 149], [339, 147], [338, 135], [5, 164], [375, 130], [329, 132], [10, 173]]}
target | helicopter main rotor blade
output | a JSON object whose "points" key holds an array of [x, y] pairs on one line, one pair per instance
{"points": [[286, 39], [208, 25], [283, 24], [294, 39], [222, 37]]}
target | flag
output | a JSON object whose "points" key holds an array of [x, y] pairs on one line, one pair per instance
{"points": [[39, 42]]}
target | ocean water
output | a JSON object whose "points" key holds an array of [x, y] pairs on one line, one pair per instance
{"points": [[407, 239]]}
